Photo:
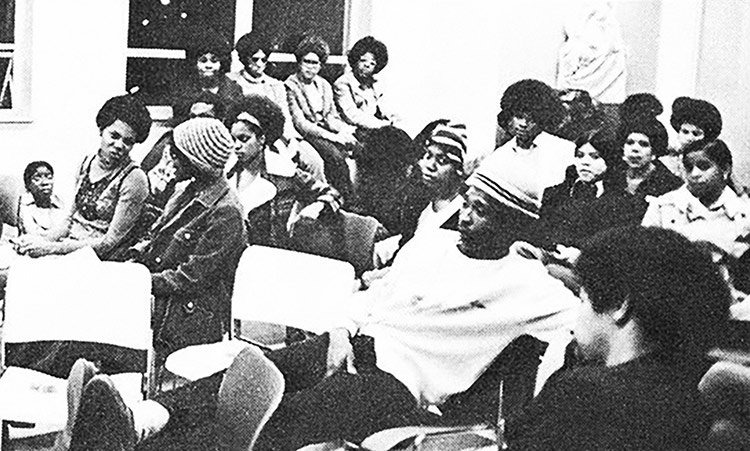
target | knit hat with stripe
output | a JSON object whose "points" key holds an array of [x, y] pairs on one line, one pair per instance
{"points": [[452, 139], [206, 142], [508, 186]]}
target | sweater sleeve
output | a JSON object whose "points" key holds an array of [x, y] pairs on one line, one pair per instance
{"points": [[312, 189]]}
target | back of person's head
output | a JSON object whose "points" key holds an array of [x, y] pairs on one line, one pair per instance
{"points": [[312, 44], [673, 290], [206, 143], [250, 43], [203, 40], [652, 128], [534, 98], [386, 150], [128, 109], [31, 168], [369, 44], [715, 149], [260, 113], [638, 107], [699, 113]]}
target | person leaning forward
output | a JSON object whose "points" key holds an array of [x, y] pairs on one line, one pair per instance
{"points": [[194, 247]]}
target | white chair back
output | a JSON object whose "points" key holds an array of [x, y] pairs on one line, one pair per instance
{"points": [[57, 299], [291, 288]]}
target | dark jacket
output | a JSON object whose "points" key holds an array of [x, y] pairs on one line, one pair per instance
{"points": [[193, 255], [646, 404]]}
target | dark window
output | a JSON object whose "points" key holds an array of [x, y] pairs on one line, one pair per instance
{"points": [[166, 24]]}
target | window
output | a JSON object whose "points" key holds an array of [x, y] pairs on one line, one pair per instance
{"points": [[14, 61], [158, 32]]}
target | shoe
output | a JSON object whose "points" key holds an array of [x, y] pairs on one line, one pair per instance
{"points": [[80, 374], [103, 422]]}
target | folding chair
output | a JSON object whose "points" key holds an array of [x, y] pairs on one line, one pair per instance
{"points": [[91, 307], [250, 392], [272, 286]]}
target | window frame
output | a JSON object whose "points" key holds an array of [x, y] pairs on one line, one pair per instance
{"points": [[20, 51]]}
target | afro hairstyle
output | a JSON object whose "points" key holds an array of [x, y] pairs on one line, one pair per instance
{"points": [[535, 98]]}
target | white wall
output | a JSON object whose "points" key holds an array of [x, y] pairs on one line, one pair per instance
{"points": [[724, 72]]}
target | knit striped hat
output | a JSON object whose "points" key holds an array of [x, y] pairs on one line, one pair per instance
{"points": [[206, 142], [452, 139], [508, 186]]}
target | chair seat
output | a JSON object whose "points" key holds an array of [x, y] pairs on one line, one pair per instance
{"points": [[448, 438], [199, 361], [34, 397]]}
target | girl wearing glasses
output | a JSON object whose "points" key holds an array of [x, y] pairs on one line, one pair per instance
{"points": [[314, 113], [253, 52]]}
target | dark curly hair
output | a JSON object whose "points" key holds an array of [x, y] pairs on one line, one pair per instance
{"points": [[312, 44], [534, 98], [31, 168], [715, 149], [700, 113], [652, 128], [250, 43], [129, 110], [368, 44], [269, 116], [673, 290], [202, 40]]}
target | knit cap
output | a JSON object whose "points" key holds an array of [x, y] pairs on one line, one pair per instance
{"points": [[206, 142], [508, 186], [452, 138]]}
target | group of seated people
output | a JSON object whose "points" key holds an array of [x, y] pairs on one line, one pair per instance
{"points": [[545, 237]]}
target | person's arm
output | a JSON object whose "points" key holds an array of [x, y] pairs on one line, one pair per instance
{"points": [[313, 190], [332, 118], [347, 108], [306, 127], [216, 249], [279, 94]]}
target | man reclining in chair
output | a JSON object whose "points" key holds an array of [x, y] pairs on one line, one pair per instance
{"points": [[449, 305]]}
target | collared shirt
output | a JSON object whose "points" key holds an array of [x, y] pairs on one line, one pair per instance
{"points": [[544, 162], [725, 223], [36, 220]]}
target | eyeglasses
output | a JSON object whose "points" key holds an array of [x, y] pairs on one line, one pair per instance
{"points": [[258, 59], [310, 62]]}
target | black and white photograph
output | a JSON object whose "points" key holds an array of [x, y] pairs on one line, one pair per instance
{"points": [[374, 225]]}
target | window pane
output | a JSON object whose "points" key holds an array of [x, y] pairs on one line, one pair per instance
{"points": [[6, 75], [162, 23], [154, 78], [7, 21], [283, 21]]}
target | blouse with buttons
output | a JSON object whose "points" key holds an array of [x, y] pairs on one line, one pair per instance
{"points": [[725, 223]]}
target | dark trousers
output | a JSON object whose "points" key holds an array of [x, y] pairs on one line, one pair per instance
{"points": [[334, 165], [314, 408]]}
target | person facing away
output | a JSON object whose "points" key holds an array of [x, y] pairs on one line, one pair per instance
{"points": [[39, 210], [425, 332], [193, 248], [652, 305]]}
